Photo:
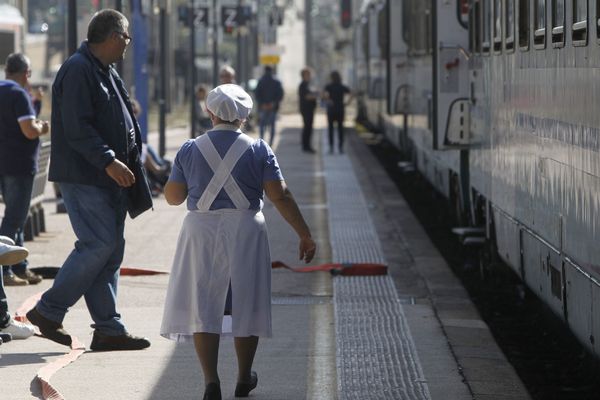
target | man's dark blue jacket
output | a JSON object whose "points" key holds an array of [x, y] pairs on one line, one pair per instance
{"points": [[88, 126]]}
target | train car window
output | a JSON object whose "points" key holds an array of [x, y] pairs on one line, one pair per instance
{"points": [[558, 23], [509, 25], [580, 25], [477, 26], [598, 19], [497, 26], [524, 25], [485, 26], [539, 32]]}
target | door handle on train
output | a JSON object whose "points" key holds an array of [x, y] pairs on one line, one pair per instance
{"points": [[466, 54]]}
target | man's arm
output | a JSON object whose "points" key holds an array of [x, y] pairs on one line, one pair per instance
{"points": [[78, 113], [33, 128]]}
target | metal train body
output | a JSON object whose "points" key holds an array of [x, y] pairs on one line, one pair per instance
{"points": [[498, 105]]}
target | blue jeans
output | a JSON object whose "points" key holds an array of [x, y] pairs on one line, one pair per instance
{"points": [[4, 315], [16, 192], [267, 119], [97, 216]]}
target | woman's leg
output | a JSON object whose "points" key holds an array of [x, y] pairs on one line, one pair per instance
{"points": [[245, 349], [330, 119], [207, 349], [340, 122]]}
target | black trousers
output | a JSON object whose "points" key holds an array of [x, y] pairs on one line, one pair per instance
{"points": [[308, 117], [339, 119]]}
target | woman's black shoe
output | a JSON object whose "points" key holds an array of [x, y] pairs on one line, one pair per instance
{"points": [[212, 392], [243, 389]]}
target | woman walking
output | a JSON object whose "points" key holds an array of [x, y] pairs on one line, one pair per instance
{"points": [[223, 241]]}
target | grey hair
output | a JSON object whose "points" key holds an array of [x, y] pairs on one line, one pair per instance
{"points": [[17, 63], [104, 23]]}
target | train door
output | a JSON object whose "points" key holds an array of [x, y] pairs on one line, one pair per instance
{"points": [[450, 73], [11, 25], [395, 117]]}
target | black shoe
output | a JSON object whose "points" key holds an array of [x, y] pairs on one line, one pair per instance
{"points": [[212, 392], [309, 150], [101, 342], [5, 337], [49, 329], [243, 389]]}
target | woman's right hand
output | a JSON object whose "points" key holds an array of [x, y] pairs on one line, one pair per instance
{"points": [[307, 248]]}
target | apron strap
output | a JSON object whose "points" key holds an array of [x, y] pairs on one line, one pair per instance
{"points": [[222, 168]]}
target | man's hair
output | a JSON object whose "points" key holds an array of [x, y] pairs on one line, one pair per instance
{"points": [[104, 23], [335, 77], [305, 70], [228, 69], [16, 63], [268, 70]]}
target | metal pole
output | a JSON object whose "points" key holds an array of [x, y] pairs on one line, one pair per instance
{"points": [[239, 38], [162, 102], [191, 20], [308, 32], [72, 27], [215, 50], [119, 8]]}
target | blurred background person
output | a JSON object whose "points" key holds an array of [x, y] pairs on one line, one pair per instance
{"points": [[20, 132], [334, 97], [268, 93], [307, 100]]}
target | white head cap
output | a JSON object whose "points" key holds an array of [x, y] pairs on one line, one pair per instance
{"points": [[229, 102]]}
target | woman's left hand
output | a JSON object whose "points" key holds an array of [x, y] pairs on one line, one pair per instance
{"points": [[307, 248]]}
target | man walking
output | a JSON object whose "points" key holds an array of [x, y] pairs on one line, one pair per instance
{"points": [[269, 94], [95, 146], [19, 148], [307, 99]]}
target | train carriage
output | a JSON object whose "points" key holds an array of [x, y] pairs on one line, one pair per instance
{"points": [[496, 102]]}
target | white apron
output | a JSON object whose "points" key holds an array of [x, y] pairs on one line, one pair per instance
{"points": [[214, 248]]}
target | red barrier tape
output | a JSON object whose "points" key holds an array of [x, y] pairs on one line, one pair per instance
{"points": [[43, 375], [127, 271], [344, 269]]}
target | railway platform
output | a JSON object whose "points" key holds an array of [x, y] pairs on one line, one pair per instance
{"points": [[411, 334]]}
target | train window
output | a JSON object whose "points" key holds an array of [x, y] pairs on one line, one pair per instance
{"points": [[558, 23], [524, 24], [497, 25], [477, 27], [580, 19], [509, 24], [598, 19], [539, 33], [485, 25]]}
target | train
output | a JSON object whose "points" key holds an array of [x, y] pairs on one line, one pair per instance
{"points": [[495, 103]]}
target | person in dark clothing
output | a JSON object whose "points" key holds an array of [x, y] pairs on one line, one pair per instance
{"points": [[96, 146], [20, 132], [334, 94], [269, 94], [307, 99]]}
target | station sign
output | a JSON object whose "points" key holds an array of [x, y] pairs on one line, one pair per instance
{"points": [[270, 54]]}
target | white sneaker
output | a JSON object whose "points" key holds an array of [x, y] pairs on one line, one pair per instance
{"points": [[11, 255], [7, 240], [18, 330]]}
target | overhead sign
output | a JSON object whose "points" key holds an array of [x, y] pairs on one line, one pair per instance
{"points": [[270, 54]]}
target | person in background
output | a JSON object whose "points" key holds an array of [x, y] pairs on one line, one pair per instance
{"points": [[334, 97], [307, 100], [9, 327], [203, 122], [94, 152], [227, 75], [223, 241], [20, 133], [157, 168], [268, 93]]}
